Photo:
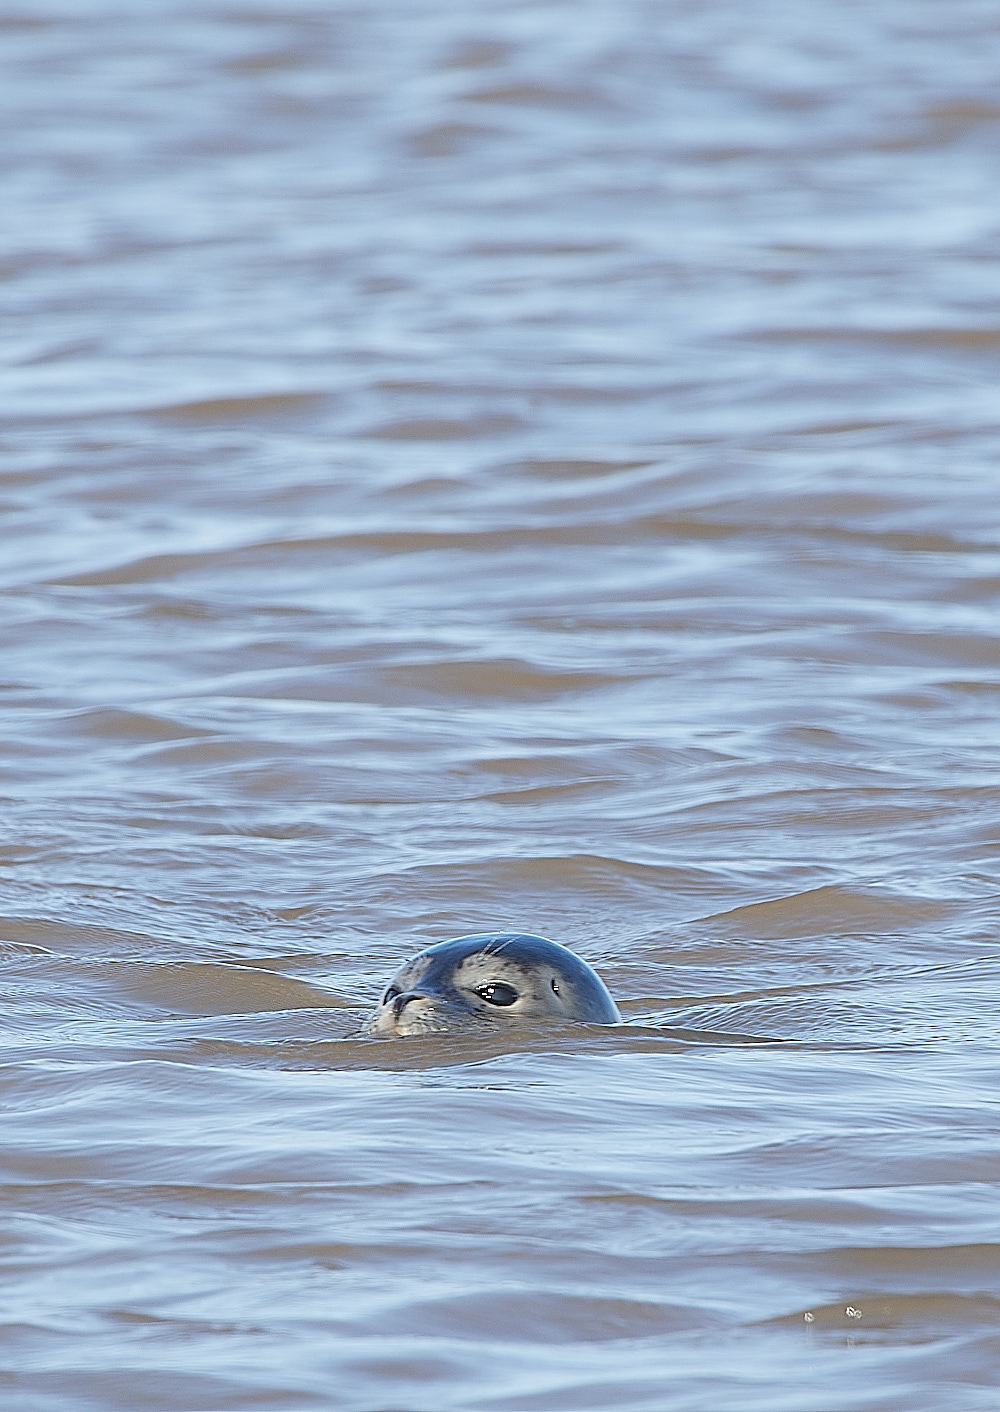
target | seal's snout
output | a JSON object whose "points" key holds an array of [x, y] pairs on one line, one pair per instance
{"points": [[400, 1002], [414, 1012]]}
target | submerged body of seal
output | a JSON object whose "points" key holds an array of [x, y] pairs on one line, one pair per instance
{"points": [[490, 980]]}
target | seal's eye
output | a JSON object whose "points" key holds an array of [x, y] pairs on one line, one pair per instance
{"points": [[554, 986], [390, 994], [496, 993]]}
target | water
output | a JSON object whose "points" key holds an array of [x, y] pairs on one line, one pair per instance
{"points": [[528, 466]]}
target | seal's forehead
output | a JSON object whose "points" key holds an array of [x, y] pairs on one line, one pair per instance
{"points": [[513, 946], [498, 952], [486, 962], [467, 966], [439, 963]]}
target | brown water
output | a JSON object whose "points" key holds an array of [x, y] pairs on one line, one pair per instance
{"points": [[530, 465]]}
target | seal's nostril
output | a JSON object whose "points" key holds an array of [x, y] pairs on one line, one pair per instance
{"points": [[400, 1003]]}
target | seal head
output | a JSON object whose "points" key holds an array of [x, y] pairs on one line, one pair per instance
{"points": [[491, 980]]}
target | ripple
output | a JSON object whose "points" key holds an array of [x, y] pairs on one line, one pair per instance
{"points": [[442, 429], [128, 725], [825, 911], [239, 409], [541, 1315], [926, 1315]]}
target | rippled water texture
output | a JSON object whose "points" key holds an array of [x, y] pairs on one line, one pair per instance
{"points": [[469, 467]]}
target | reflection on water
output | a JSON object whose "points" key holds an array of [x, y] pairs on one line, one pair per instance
{"points": [[526, 468]]}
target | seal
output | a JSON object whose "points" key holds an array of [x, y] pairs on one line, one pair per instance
{"points": [[490, 980]]}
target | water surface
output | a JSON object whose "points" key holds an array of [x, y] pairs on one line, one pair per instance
{"points": [[528, 466]]}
